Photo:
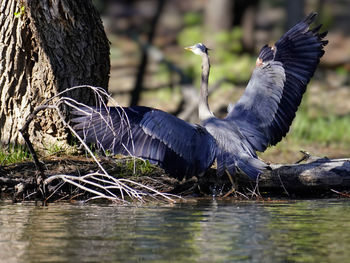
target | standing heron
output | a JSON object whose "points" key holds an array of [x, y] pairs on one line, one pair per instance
{"points": [[260, 118]]}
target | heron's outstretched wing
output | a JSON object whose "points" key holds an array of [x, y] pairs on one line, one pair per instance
{"points": [[267, 108], [177, 146]]}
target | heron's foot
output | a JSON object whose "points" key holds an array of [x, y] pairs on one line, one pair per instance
{"points": [[233, 186], [231, 191]]}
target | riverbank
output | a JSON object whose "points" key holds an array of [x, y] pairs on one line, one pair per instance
{"points": [[78, 178]]}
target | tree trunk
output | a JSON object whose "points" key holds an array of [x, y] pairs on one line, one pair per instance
{"points": [[248, 24], [136, 92], [218, 15], [47, 47]]}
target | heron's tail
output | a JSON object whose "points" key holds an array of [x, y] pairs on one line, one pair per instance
{"points": [[245, 163]]}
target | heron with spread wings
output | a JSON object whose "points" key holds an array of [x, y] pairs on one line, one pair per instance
{"points": [[260, 118]]}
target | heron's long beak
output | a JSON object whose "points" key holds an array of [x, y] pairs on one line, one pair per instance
{"points": [[189, 48]]}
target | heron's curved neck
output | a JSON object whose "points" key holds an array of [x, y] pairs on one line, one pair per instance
{"points": [[203, 109]]}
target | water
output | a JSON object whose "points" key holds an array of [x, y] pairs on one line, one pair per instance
{"points": [[205, 231]]}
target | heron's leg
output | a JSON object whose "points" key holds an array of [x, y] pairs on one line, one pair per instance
{"points": [[231, 179], [233, 188]]}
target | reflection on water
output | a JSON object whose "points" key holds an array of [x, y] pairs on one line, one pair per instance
{"points": [[206, 231]]}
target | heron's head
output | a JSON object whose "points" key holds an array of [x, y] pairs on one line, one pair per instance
{"points": [[198, 49]]}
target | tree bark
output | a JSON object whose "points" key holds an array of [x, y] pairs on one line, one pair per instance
{"points": [[47, 47], [316, 173]]}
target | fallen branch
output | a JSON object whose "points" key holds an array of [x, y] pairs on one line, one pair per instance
{"points": [[340, 193], [322, 172], [316, 176], [102, 186]]}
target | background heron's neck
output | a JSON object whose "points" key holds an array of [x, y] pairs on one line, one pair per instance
{"points": [[203, 109]]}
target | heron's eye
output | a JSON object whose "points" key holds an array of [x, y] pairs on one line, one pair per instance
{"points": [[201, 47]]}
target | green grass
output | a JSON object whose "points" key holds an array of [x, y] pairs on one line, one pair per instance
{"points": [[56, 150], [138, 166], [319, 135], [325, 130], [13, 154]]}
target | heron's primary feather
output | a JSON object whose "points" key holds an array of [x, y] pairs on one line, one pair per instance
{"points": [[267, 108]]}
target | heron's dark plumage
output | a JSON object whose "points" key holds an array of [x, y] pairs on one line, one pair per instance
{"points": [[179, 147], [261, 117]]}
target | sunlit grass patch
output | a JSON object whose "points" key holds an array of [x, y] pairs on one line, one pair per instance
{"points": [[325, 130], [319, 135], [13, 154], [138, 167]]}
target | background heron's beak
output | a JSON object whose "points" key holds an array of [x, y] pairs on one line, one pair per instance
{"points": [[189, 48]]}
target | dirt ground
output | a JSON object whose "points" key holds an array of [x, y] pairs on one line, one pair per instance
{"points": [[18, 181], [121, 180]]}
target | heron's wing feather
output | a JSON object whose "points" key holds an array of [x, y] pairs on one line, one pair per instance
{"points": [[267, 108], [177, 146], [233, 150]]}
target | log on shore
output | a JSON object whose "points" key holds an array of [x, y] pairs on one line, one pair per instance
{"points": [[316, 175], [322, 172]]}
